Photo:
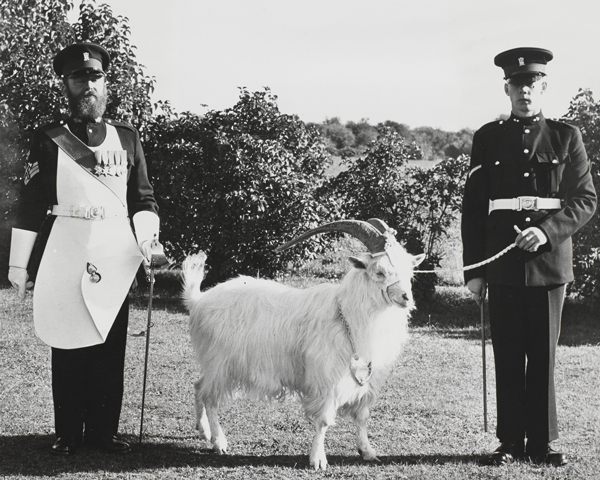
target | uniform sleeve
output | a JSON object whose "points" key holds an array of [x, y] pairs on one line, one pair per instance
{"points": [[35, 196], [475, 209], [578, 193], [140, 194]]}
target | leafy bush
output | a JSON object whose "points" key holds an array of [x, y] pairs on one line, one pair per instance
{"points": [[418, 203], [584, 112], [237, 184]]}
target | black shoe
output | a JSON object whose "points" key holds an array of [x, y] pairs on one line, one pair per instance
{"points": [[63, 446], [108, 444], [506, 453], [545, 454]]}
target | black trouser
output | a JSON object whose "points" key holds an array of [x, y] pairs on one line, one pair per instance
{"points": [[525, 324], [87, 384]]}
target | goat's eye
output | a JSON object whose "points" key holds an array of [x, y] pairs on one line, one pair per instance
{"points": [[380, 274]]}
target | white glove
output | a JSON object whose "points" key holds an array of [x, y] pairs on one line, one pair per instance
{"points": [[477, 287], [18, 277], [146, 225], [21, 246]]}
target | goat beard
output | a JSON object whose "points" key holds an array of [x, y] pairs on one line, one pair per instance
{"points": [[89, 105]]}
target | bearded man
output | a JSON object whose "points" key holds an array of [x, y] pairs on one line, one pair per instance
{"points": [[85, 178]]}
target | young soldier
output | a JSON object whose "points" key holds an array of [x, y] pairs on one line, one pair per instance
{"points": [[529, 183], [85, 178]]}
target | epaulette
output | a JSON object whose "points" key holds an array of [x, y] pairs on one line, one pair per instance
{"points": [[116, 123], [47, 126], [492, 125], [560, 124]]}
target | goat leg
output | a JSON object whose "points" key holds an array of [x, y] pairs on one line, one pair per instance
{"points": [[202, 424], [366, 451]]}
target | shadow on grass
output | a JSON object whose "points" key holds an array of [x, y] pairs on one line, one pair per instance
{"points": [[30, 455]]}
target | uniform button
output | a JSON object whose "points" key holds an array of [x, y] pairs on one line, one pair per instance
{"points": [[527, 130], [528, 219], [555, 161], [526, 174], [62, 122], [526, 150], [497, 162], [501, 122], [90, 130]]}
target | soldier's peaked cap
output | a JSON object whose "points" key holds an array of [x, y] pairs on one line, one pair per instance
{"points": [[81, 57], [523, 60]]}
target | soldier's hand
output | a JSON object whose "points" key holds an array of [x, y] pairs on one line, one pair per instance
{"points": [[531, 239], [477, 287], [18, 277]]}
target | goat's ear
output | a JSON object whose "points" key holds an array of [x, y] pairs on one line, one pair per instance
{"points": [[357, 262], [417, 259]]}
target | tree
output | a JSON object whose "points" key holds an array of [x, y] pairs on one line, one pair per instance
{"points": [[419, 204], [340, 139], [237, 183], [584, 112], [31, 33], [364, 133]]}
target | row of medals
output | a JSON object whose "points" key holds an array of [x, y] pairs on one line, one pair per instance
{"points": [[111, 163]]}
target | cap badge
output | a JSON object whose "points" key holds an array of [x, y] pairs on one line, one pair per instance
{"points": [[86, 57], [521, 62]]}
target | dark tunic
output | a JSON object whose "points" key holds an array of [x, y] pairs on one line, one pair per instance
{"points": [[526, 157]]}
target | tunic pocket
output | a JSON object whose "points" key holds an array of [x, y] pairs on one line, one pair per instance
{"points": [[549, 168]]}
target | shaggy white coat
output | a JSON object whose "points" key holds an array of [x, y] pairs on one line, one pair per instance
{"points": [[269, 339]]}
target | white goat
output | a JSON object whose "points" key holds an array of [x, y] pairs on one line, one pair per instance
{"points": [[332, 344]]}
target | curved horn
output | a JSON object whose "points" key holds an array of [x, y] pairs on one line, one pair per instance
{"points": [[363, 231], [379, 224]]}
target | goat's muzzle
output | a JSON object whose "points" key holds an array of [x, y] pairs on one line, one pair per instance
{"points": [[397, 295]]}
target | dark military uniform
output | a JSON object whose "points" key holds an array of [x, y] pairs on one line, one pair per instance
{"points": [[87, 382], [543, 159], [84, 181]]}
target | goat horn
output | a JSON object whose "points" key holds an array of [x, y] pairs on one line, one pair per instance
{"points": [[367, 233], [379, 224]]}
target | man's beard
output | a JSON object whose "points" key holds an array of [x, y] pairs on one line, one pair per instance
{"points": [[89, 105]]}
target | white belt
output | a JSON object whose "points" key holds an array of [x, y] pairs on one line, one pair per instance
{"points": [[525, 203], [88, 212]]}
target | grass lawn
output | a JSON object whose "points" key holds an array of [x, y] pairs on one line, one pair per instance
{"points": [[428, 423]]}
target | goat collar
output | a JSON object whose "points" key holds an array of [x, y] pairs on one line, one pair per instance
{"points": [[361, 370]]}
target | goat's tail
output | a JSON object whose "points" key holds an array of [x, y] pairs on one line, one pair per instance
{"points": [[193, 274]]}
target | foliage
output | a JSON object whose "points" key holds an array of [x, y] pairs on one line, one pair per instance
{"points": [[31, 33], [354, 138], [418, 203], [339, 139], [584, 112], [237, 183], [364, 133]]}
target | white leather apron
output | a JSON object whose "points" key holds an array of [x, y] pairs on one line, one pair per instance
{"points": [[70, 310]]}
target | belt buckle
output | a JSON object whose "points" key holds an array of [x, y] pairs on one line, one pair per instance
{"points": [[528, 203], [89, 213], [94, 213]]}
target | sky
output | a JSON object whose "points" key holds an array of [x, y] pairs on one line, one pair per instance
{"points": [[417, 62]]}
